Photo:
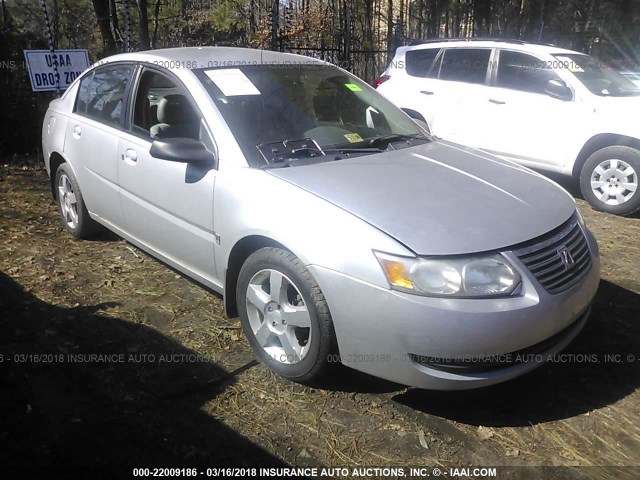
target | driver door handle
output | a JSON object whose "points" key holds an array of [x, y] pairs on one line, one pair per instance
{"points": [[497, 102], [426, 92]]}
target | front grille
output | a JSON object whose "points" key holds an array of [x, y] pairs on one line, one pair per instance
{"points": [[558, 261]]}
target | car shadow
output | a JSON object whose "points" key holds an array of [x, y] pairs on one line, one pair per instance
{"points": [[104, 235], [83, 390], [600, 367], [348, 380]]}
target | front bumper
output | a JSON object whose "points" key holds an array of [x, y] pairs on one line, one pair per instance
{"points": [[396, 336]]}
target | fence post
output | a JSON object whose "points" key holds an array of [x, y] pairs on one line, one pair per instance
{"points": [[127, 27]]}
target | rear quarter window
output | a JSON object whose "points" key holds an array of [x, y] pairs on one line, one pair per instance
{"points": [[83, 94], [420, 62]]}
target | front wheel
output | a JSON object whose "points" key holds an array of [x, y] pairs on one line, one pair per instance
{"points": [[285, 315], [609, 180]]}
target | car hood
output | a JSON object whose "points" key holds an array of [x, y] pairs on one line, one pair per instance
{"points": [[439, 198]]}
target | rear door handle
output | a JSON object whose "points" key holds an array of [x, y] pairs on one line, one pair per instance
{"points": [[77, 131], [426, 92], [130, 155], [497, 102]]}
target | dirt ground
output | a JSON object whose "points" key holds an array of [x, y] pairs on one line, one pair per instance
{"points": [[109, 359]]}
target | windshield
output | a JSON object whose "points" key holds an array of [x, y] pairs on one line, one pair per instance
{"points": [[308, 107], [598, 77]]}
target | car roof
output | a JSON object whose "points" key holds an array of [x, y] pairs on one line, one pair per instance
{"points": [[479, 43], [203, 57]]}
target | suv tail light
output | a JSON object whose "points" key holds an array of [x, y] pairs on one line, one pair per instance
{"points": [[381, 80]]}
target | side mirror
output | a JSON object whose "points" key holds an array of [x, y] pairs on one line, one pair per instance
{"points": [[183, 150], [558, 89], [424, 125]]}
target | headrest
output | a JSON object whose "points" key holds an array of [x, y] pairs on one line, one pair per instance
{"points": [[175, 109]]}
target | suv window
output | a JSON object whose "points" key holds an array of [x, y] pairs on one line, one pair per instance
{"points": [[419, 62], [101, 96], [465, 64], [519, 71], [162, 110]]}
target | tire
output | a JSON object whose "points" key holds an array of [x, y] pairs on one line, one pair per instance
{"points": [[609, 180], [73, 211], [291, 332]]}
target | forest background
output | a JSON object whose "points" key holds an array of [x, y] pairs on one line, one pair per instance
{"points": [[358, 35]]}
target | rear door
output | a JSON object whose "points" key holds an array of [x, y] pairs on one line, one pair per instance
{"points": [[168, 206], [91, 140], [462, 78], [414, 83]]}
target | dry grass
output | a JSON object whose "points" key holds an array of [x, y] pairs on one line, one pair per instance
{"points": [[352, 421]]}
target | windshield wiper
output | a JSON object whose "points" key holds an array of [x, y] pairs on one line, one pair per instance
{"points": [[282, 162], [395, 137], [304, 151], [348, 150], [283, 150]]}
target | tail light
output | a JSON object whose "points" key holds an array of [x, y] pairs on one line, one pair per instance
{"points": [[381, 80]]}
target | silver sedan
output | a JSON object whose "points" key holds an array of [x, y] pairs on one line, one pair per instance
{"points": [[334, 225]]}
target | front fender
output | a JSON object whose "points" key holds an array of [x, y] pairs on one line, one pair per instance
{"points": [[252, 202]]}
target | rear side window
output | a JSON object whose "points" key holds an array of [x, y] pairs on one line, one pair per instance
{"points": [[101, 96], [465, 64], [419, 62], [519, 71]]}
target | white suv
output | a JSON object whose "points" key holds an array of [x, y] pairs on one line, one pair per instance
{"points": [[541, 106]]}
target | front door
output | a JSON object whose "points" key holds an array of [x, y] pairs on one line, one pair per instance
{"points": [[527, 125], [168, 205]]}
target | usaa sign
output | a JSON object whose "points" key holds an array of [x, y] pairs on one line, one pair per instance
{"points": [[71, 64]]}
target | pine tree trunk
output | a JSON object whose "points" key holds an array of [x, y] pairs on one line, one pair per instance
{"points": [[101, 8], [143, 27]]}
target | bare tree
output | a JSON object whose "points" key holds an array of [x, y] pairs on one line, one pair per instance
{"points": [[101, 7]]}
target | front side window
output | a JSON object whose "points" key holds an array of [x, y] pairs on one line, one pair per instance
{"points": [[272, 108], [465, 64], [519, 71], [162, 110], [419, 62], [101, 95]]}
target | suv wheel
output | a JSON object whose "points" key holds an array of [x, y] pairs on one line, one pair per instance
{"points": [[609, 180]]}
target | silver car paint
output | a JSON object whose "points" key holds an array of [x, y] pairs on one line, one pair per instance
{"points": [[336, 244], [439, 200], [383, 327]]}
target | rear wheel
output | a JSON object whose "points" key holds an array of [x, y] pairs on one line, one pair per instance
{"points": [[609, 180], [73, 211], [285, 315]]}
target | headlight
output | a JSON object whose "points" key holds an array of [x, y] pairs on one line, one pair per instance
{"points": [[472, 276]]}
